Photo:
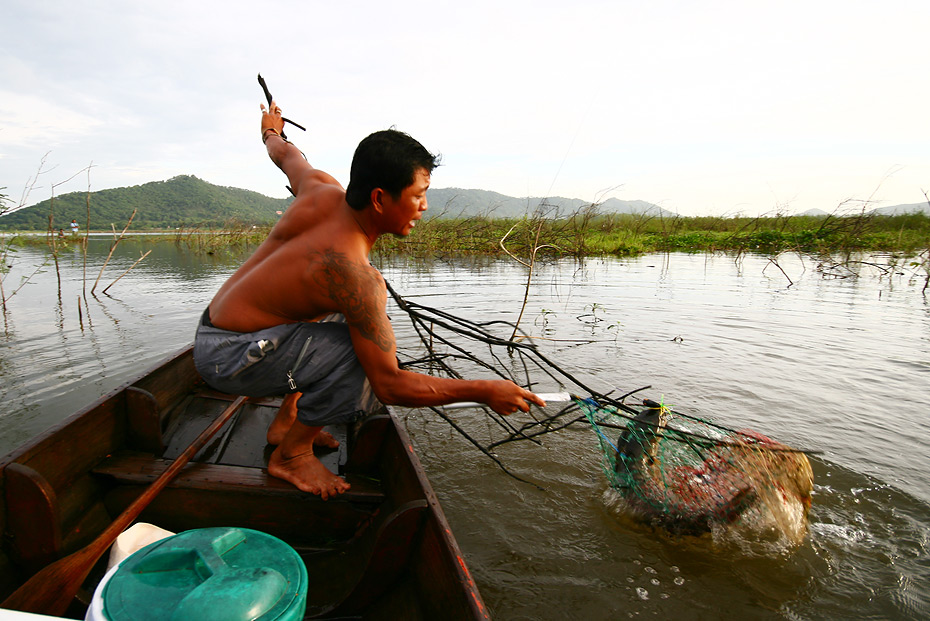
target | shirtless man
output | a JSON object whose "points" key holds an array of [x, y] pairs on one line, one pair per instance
{"points": [[269, 329]]}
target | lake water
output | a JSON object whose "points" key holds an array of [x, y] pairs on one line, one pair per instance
{"points": [[840, 366]]}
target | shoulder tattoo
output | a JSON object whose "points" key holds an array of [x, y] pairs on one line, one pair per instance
{"points": [[358, 290]]}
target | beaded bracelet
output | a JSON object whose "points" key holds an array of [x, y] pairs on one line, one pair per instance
{"points": [[265, 134]]}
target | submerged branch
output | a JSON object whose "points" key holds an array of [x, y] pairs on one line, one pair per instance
{"points": [[127, 271], [112, 248]]}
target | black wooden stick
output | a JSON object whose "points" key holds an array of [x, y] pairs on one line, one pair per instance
{"points": [[264, 86]]}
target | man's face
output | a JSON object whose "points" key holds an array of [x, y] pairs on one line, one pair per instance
{"points": [[403, 213]]}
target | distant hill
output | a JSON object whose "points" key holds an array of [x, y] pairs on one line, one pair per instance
{"points": [[179, 201], [814, 212], [457, 202], [188, 201], [893, 210], [896, 210]]}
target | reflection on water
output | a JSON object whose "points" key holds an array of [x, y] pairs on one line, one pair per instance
{"points": [[835, 366]]}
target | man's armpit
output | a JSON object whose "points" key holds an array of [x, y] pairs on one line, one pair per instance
{"points": [[359, 292]]}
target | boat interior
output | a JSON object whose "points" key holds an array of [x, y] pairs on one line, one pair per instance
{"points": [[380, 550]]}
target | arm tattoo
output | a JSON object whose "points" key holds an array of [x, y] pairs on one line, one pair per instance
{"points": [[358, 291]]}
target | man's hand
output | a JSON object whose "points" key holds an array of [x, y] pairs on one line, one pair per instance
{"points": [[272, 121], [505, 398]]}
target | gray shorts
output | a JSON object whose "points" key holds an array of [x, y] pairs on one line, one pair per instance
{"points": [[314, 358]]}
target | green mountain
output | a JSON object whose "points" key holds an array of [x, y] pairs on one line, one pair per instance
{"points": [[189, 201], [179, 201]]}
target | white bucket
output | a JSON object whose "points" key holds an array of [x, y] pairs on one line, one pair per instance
{"points": [[130, 540]]}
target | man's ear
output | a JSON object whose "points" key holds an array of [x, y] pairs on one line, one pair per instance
{"points": [[377, 200]]}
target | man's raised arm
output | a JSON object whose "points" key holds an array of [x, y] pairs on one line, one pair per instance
{"points": [[285, 155]]}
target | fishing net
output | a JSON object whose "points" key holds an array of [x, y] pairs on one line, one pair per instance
{"points": [[670, 469], [688, 475]]}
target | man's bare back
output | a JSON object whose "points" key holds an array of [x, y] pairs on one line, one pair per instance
{"points": [[280, 282], [315, 262]]}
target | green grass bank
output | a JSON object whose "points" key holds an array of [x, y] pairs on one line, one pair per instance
{"points": [[592, 234], [588, 233]]}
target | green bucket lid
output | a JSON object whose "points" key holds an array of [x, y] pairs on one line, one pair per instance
{"points": [[209, 574]]}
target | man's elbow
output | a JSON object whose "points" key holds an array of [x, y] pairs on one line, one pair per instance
{"points": [[396, 389], [388, 396]]}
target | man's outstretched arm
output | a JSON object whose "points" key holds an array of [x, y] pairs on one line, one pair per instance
{"points": [[360, 293]]}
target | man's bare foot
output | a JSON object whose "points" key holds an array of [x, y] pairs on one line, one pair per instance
{"points": [[307, 473], [283, 420], [326, 440], [277, 431]]}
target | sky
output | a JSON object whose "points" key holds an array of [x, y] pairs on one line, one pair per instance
{"points": [[705, 108]]}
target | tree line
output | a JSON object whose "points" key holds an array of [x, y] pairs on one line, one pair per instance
{"points": [[180, 201]]}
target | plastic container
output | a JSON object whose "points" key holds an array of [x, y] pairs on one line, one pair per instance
{"points": [[133, 539], [207, 574]]}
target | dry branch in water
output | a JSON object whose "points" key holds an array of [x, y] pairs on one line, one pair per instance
{"points": [[112, 248], [139, 260], [529, 268]]}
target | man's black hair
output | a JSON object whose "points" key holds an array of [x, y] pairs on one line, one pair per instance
{"points": [[387, 159]]}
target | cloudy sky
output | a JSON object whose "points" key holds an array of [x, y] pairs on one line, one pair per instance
{"points": [[704, 108]]}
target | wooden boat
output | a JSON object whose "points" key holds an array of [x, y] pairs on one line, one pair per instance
{"points": [[382, 550]]}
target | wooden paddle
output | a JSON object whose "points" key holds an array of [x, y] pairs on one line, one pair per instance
{"points": [[51, 590]]}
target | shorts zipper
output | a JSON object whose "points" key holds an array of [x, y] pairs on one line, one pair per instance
{"points": [[290, 374]]}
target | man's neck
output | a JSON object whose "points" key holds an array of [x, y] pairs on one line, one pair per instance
{"points": [[366, 226]]}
